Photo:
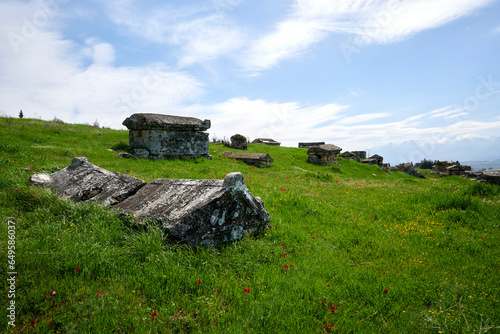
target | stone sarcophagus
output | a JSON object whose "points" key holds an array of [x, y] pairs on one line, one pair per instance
{"points": [[166, 136], [323, 154], [198, 212]]}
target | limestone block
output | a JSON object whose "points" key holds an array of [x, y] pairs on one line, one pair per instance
{"points": [[83, 181], [199, 212]]}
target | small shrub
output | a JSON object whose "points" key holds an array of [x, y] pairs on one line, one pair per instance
{"points": [[57, 120]]}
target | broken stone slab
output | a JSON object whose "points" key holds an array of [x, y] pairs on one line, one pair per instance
{"points": [[125, 155], [83, 181], [140, 153], [254, 159], [409, 169], [323, 154], [267, 141], [167, 136], [239, 142], [491, 176], [199, 212], [310, 144]]}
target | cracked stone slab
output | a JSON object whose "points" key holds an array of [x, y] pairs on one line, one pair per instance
{"points": [[199, 212], [83, 181], [254, 159]]}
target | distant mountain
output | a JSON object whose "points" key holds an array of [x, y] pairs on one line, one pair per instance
{"points": [[471, 148]]}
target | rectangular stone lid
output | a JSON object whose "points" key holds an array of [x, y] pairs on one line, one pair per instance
{"points": [[165, 122], [254, 156], [325, 148]]}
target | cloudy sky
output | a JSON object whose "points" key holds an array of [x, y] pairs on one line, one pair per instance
{"points": [[355, 73]]}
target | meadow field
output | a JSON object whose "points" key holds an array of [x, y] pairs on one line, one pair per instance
{"points": [[350, 248]]}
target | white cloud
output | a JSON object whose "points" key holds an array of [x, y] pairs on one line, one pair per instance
{"points": [[47, 77], [495, 30], [364, 22], [201, 33]]}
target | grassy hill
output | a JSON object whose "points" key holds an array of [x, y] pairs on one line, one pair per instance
{"points": [[351, 248]]}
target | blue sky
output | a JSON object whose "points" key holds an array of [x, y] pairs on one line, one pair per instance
{"points": [[360, 74]]}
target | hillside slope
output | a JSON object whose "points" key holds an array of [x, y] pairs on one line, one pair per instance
{"points": [[351, 248]]}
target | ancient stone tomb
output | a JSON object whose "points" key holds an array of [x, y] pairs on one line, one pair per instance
{"points": [[166, 136], [323, 154], [239, 142], [203, 212], [311, 144], [267, 141], [253, 159]]}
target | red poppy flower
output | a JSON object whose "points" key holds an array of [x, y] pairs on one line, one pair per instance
{"points": [[53, 293], [34, 196], [291, 265], [16, 190], [355, 218], [282, 245], [484, 239], [330, 325], [31, 167], [246, 291], [284, 255], [286, 267], [33, 323], [99, 293], [458, 293], [386, 291], [314, 238], [78, 268], [328, 285], [332, 308], [198, 282], [50, 323], [153, 315]]}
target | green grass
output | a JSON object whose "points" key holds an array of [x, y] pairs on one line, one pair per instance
{"points": [[350, 231]]}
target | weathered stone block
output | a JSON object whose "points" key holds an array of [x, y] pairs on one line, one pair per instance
{"points": [[167, 136], [254, 159], [140, 153], [83, 181], [311, 144], [203, 212], [267, 141], [323, 154], [239, 142]]}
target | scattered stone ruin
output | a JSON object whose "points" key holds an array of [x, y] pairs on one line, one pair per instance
{"points": [[489, 176], [311, 144], [374, 160], [360, 154], [253, 159], [449, 168], [198, 212], [325, 154], [457, 170], [267, 141], [439, 167], [409, 169], [239, 142], [166, 136]]}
